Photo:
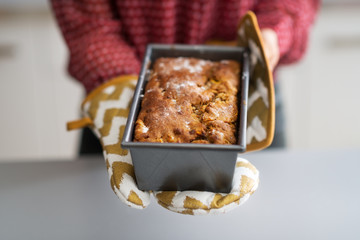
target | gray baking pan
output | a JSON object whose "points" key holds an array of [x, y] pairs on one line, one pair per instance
{"points": [[187, 166]]}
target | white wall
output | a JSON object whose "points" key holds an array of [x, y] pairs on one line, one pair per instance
{"points": [[23, 5], [36, 95], [322, 92]]}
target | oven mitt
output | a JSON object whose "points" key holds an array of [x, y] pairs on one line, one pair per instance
{"points": [[244, 183], [261, 98], [105, 111]]}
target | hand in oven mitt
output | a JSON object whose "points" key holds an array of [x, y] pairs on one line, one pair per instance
{"points": [[106, 109]]}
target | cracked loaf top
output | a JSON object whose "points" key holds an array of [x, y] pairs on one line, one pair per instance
{"points": [[189, 100]]}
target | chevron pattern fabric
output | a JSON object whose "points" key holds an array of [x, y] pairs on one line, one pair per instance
{"points": [[261, 103], [245, 182], [108, 108]]}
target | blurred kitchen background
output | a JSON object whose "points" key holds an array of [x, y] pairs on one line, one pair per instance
{"points": [[38, 97]]}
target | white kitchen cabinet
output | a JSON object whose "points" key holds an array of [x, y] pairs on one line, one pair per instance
{"points": [[37, 96], [322, 97]]}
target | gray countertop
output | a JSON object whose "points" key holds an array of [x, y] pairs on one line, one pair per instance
{"points": [[302, 195]]}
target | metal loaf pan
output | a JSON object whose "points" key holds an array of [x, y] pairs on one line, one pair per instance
{"points": [[187, 166]]}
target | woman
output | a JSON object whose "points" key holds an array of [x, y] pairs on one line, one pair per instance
{"points": [[107, 38]]}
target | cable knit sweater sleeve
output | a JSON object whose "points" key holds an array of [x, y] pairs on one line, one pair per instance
{"points": [[291, 20], [93, 35]]}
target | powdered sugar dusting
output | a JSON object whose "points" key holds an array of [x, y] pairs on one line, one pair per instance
{"points": [[150, 90], [181, 64], [180, 86], [144, 129]]}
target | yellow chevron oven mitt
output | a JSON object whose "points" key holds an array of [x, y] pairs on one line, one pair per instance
{"points": [[105, 110], [244, 183], [261, 100]]}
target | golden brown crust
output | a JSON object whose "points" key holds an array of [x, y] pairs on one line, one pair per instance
{"points": [[189, 100]]}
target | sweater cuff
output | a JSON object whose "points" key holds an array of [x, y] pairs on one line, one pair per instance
{"points": [[282, 25]]}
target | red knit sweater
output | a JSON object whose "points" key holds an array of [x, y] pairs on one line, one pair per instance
{"points": [[107, 38]]}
